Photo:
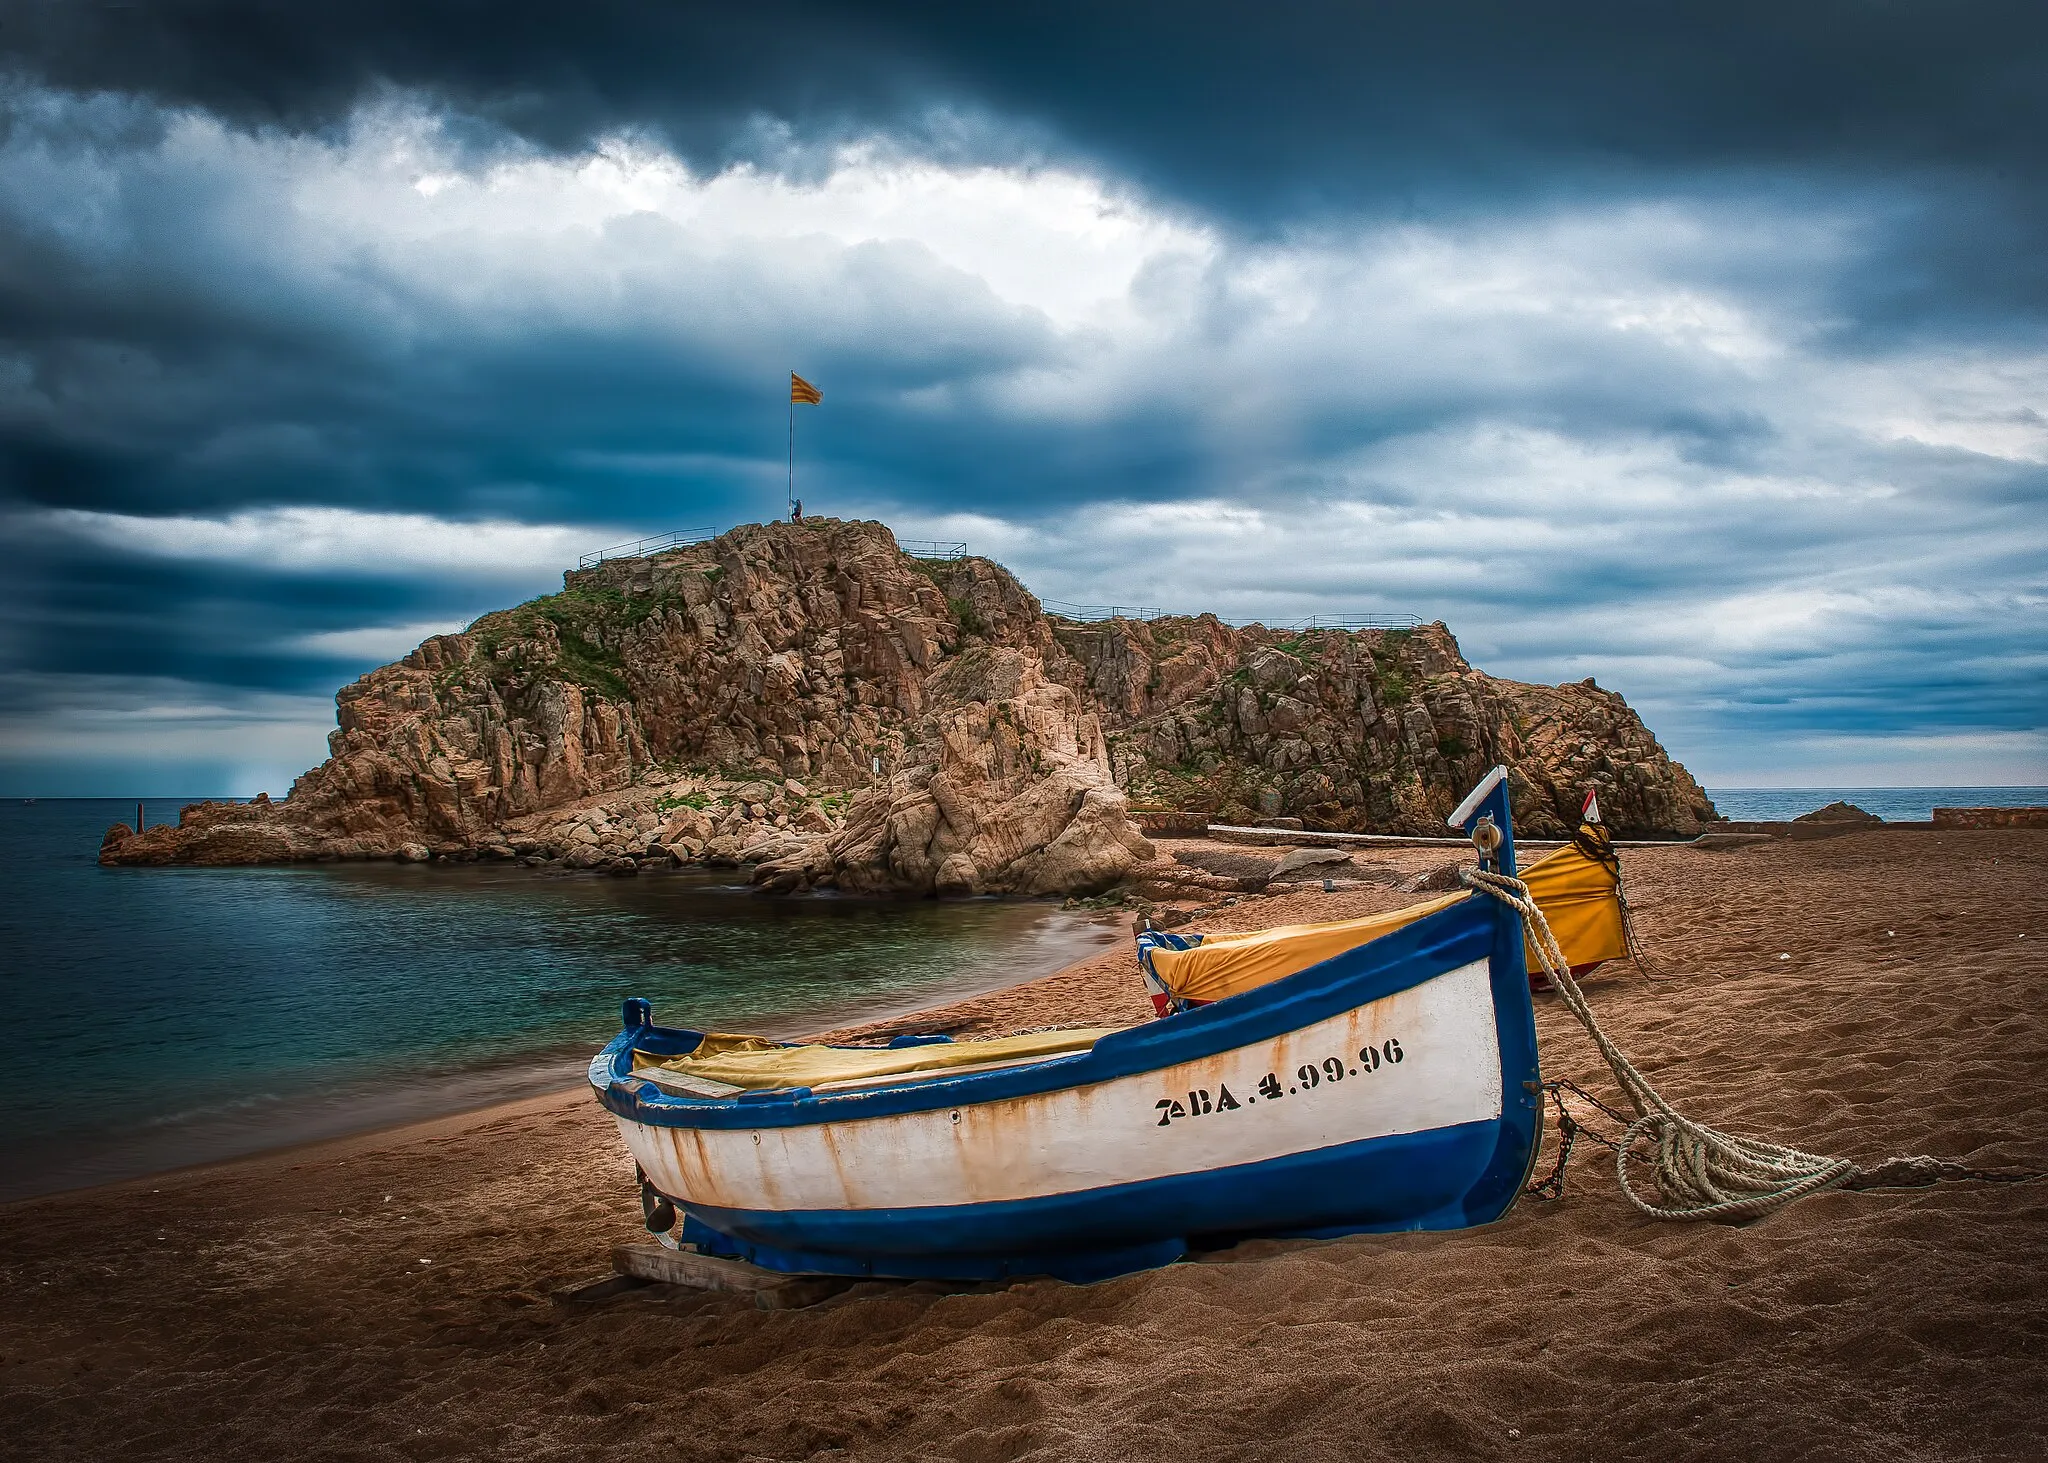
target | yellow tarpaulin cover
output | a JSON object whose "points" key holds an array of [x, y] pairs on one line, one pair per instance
{"points": [[1578, 895], [756, 1062], [1581, 898], [1224, 965]]}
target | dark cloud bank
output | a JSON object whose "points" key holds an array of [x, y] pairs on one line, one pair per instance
{"points": [[1214, 101], [1699, 348]]}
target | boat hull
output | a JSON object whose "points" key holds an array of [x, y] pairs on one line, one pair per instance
{"points": [[1196, 1130]]}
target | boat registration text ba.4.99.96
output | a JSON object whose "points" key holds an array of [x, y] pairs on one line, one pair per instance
{"points": [[1307, 1077]]}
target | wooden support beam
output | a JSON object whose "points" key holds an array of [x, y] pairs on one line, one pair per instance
{"points": [[772, 1290]]}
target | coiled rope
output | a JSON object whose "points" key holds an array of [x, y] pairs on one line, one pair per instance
{"points": [[1701, 1173]]}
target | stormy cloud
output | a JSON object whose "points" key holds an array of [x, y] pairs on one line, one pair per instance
{"points": [[1701, 352]]}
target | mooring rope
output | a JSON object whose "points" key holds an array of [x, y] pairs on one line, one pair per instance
{"points": [[1701, 1173]]}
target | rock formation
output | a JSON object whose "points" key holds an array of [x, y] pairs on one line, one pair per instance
{"points": [[1362, 731], [811, 701], [1840, 812]]}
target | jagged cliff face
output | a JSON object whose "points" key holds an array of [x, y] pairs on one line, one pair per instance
{"points": [[1377, 730], [810, 697]]}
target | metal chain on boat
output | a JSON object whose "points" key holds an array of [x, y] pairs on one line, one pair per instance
{"points": [[1551, 1185], [1700, 1172]]}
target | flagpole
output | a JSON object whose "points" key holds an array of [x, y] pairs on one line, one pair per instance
{"points": [[791, 504]]}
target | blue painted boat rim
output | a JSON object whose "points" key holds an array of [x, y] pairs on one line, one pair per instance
{"points": [[1433, 946]]}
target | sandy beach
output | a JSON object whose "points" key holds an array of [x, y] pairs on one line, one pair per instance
{"points": [[388, 1296]]}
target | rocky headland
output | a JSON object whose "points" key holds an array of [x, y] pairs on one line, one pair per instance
{"points": [[812, 702]]}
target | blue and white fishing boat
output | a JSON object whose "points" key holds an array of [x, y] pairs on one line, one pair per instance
{"points": [[1390, 1086]]}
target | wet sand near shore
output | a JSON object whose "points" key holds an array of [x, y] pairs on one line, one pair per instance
{"points": [[387, 1297]]}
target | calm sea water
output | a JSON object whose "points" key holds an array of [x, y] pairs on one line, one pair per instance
{"points": [[159, 1017], [1893, 804]]}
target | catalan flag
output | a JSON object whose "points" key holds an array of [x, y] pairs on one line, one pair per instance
{"points": [[803, 391]]}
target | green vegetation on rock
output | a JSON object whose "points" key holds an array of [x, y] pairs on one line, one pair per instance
{"points": [[967, 616], [589, 621]]}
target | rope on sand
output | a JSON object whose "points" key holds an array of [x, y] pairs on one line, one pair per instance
{"points": [[1701, 1173]]}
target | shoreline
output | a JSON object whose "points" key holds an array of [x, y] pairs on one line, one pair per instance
{"points": [[411, 1131], [483, 1113]]}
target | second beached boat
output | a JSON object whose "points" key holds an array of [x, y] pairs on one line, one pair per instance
{"points": [[1326, 1080]]}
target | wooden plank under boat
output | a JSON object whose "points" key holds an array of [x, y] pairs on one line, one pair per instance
{"points": [[1391, 1087]]}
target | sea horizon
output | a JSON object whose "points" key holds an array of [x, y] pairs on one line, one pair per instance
{"points": [[1908, 803]]}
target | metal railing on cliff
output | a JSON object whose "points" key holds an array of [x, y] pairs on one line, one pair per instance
{"points": [[1354, 622], [928, 548], [1066, 611], [661, 543]]}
